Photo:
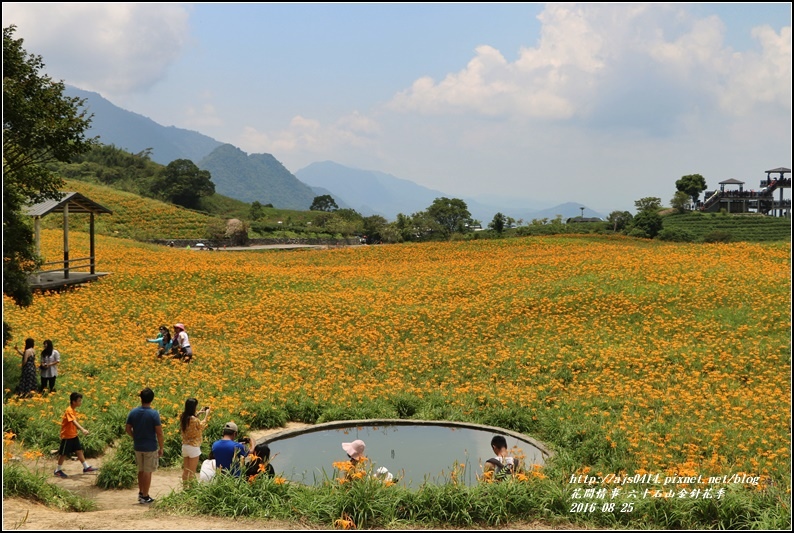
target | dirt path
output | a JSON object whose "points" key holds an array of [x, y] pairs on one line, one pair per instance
{"points": [[119, 510]]}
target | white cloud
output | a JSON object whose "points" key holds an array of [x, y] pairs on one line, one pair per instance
{"points": [[591, 59], [763, 78], [111, 48], [304, 135]]}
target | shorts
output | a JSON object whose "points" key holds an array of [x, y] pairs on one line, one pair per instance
{"points": [[70, 446], [147, 461], [191, 452]]}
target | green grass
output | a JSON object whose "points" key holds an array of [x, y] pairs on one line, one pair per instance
{"points": [[369, 504], [745, 227], [20, 482]]}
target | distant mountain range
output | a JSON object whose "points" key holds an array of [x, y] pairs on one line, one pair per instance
{"points": [[261, 177], [135, 133]]}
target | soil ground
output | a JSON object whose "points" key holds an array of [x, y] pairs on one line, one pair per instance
{"points": [[119, 509]]}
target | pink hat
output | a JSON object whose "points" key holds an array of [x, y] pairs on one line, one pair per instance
{"points": [[354, 449], [180, 326]]}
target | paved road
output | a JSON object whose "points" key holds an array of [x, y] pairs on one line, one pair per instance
{"points": [[280, 247]]}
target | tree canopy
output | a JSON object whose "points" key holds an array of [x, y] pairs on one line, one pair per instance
{"points": [[324, 202], [183, 183], [649, 203], [498, 223], [692, 185], [452, 214], [40, 125]]}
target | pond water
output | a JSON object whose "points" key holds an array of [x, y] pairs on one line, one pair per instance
{"points": [[414, 454]]}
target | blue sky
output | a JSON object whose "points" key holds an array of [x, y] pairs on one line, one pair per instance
{"points": [[538, 104]]}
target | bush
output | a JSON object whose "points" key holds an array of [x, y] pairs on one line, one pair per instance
{"points": [[118, 473], [21, 482], [676, 235], [717, 236], [406, 404], [300, 409]]}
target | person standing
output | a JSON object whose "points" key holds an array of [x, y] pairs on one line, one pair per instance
{"points": [[50, 358], [183, 343], [27, 381], [70, 442], [143, 425], [191, 427]]}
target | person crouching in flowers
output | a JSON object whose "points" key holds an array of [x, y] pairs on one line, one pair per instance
{"points": [[163, 341], [182, 343], [501, 465], [260, 462], [352, 468]]}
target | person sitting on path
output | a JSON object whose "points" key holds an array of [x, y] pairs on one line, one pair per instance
{"points": [[260, 462], [228, 452]]}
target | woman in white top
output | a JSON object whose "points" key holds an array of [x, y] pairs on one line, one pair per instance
{"points": [[182, 341], [50, 358]]}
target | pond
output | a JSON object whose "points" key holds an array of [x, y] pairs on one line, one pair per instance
{"points": [[415, 452]]}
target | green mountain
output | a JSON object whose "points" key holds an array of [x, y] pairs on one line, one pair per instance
{"points": [[255, 177]]}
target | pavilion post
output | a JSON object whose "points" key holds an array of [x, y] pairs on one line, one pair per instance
{"points": [[91, 243], [37, 233], [66, 241]]}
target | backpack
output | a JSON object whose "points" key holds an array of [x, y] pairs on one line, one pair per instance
{"points": [[501, 471]]}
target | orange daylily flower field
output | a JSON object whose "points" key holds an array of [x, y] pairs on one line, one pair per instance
{"points": [[679, 353]]}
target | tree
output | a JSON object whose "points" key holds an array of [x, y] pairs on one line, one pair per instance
{"points": [[257, 211], [692, 185], [181, 182], [619, 220], [498, 223], [40, 126], [649, 203], [647, 223], [323, 203], [451, 214], [374, 227], [679, 201]]}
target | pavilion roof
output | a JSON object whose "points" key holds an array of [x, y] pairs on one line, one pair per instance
{"points": [[77, 204]]}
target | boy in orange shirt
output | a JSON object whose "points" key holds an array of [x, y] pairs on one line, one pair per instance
{"points": [[70, 442]]}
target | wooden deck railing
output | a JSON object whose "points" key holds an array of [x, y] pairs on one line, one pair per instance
{"points": [[70, 264]]}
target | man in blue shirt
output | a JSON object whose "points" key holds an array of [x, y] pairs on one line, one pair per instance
{"points": [[228, 452], [143, 425]]}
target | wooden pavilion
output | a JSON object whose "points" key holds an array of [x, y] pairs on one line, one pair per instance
{"points": [[63, 274]]}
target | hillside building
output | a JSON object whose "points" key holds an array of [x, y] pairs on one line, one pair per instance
{"points": [[733, 198]]}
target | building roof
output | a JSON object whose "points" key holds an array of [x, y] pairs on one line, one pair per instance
{"points": [[77, 204], [731, 181], [779, 170]]}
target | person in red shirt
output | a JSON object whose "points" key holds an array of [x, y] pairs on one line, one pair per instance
{"points": [[70, 442]]}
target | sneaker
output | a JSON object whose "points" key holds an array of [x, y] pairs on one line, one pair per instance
{"points": [[145, 499], [90, 469], [61, 473]]}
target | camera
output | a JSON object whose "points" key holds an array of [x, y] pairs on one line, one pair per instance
{"points": [[244, 440]]}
